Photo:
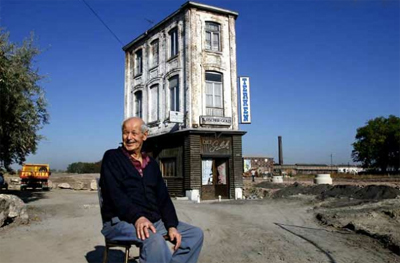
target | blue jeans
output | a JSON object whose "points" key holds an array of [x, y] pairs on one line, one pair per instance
{"points": [[154, 249]]}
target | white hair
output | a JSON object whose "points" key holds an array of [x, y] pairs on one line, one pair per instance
{"points": [[144, 128]]}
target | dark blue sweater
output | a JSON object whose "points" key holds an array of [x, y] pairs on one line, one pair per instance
{"points": [[129, 196]]}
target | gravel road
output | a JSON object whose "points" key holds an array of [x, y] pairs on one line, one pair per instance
{"points": [[65, 227]]}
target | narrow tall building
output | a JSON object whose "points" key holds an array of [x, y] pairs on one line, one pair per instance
{"points": [[180, 78]]}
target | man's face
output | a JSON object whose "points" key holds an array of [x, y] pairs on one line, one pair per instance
{"points": [[132, 136]]}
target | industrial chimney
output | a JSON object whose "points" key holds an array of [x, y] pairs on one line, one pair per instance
{"points": [[280, 150]]}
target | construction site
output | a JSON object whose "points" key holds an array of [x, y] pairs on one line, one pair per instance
{"points": [[352, 220]]}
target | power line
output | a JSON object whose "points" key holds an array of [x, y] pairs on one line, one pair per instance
{"points": [[150, 21], [101, 20]]}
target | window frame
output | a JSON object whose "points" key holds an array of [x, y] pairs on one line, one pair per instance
{"points": [[163, 162], [150, 100], [174, 94], [138, 106], [173, 42], [155, 53], [213, 34], [214, 108], [138, 62]]}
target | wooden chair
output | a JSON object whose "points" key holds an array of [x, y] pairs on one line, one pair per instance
{"points": [[120, 244], [111, 243]]}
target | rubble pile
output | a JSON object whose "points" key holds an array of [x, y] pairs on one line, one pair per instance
{"points": [[86, 182], [253, 192]]}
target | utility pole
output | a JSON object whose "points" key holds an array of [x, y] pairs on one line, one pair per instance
{"points": [[331, 163]]}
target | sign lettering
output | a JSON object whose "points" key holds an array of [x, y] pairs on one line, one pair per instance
{"points": [[211, 145], [209, 120], [244, 84]]}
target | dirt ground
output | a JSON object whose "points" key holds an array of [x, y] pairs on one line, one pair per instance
{"points": [[65, 227]]}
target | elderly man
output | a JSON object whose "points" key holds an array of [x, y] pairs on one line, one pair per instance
{"points": [[136, 203]]}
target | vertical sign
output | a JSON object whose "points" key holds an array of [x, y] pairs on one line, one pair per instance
{"points": [[244, 84]]}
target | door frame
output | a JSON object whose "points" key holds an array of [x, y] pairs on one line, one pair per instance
{"points": [[213, 190]]}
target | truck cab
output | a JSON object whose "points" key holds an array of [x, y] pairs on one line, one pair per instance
{"points": [[35, 176]]}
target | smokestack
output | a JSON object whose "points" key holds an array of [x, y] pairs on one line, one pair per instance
{"points": [[280, 150]]}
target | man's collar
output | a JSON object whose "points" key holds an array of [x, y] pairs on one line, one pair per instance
{"points": [[144, 154]]}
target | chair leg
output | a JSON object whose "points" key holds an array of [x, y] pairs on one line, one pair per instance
{"points": [[126, 255], [105, 254]]}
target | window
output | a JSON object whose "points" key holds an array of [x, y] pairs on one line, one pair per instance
{"points": [[214, 103], [153, 103], [212, 36], [174, 93], [138, 104], [173, 34], [138, 62], [154, 53], [168, 167]]}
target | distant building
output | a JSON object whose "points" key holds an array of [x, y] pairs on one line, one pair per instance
{"points": [[293, 169], [349, 169], [315, 169], [180, 78], [262, 164]]}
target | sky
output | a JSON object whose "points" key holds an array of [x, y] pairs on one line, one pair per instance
{"points": [[318, 70]]}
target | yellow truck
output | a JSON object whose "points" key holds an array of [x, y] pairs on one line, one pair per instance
{"points": [[35, 176]]}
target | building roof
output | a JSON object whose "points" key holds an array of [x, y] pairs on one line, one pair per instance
{"points": [[217, 132], [183, 7]]}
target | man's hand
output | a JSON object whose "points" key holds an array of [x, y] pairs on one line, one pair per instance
{"points": [[142, 226], [175, 236]]}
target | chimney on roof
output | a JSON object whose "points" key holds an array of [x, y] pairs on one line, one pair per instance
{"points": [[280, 150]]}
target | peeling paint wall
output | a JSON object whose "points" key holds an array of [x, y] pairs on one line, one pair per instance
{"points": [[203, 60], [190, 65]]}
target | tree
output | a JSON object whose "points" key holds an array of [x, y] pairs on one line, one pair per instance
{"points": [[377, 144], [22, 102], [83, 168]]}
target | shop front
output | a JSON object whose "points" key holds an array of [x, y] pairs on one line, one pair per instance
{"points": [[205, 164]]}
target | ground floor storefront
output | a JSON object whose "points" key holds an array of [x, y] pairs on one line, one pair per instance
{"points": [[200, 163]]}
